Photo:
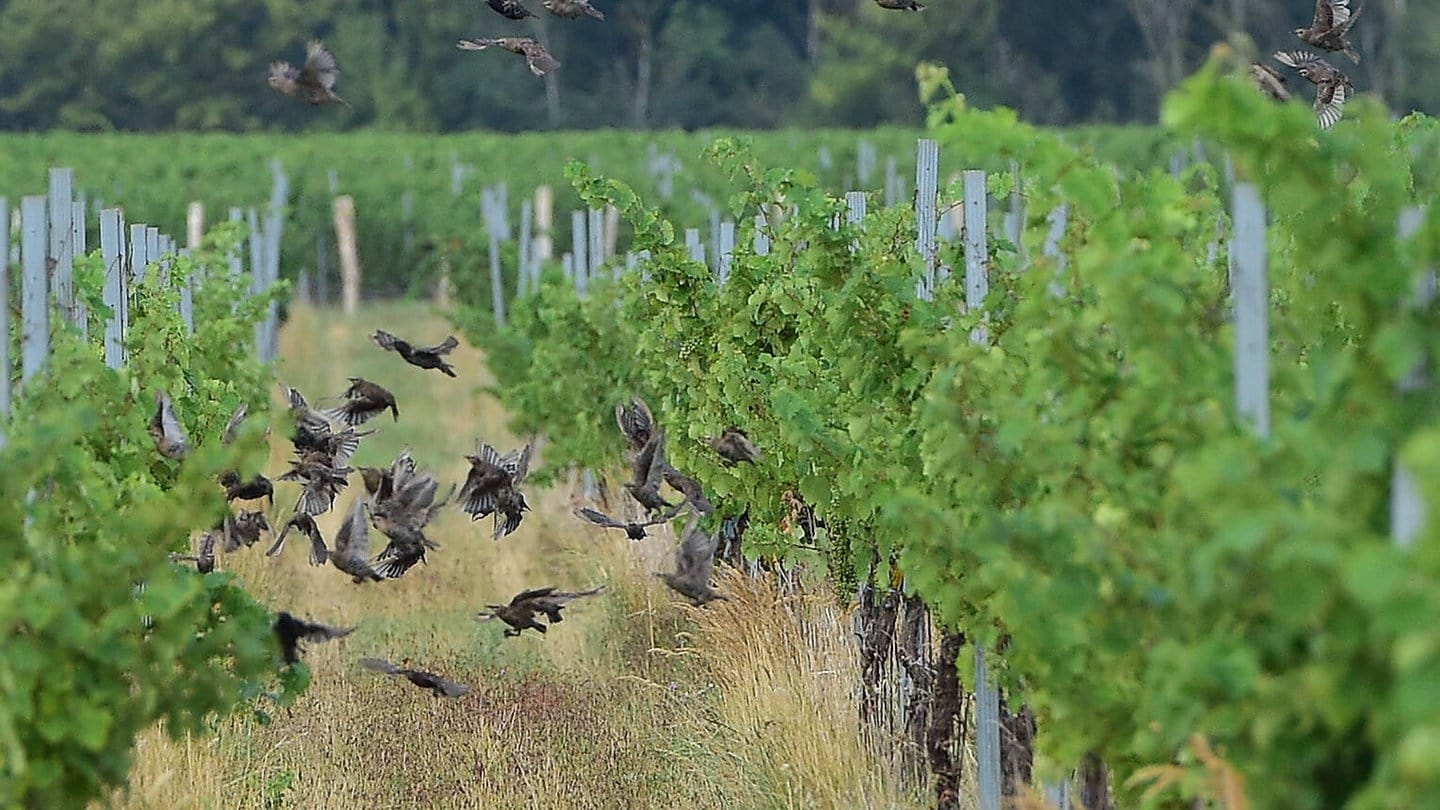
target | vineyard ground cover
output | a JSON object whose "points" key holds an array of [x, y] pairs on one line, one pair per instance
{"points": [[634, 701]]}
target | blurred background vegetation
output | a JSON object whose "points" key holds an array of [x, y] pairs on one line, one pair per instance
{"points": [[200, 65]]}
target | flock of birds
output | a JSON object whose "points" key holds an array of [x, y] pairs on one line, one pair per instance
{"points": [[1327, 31], [314, 81], [401, 501]]}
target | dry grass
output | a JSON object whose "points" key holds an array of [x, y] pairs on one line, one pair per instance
{"points": [[633, 701]]}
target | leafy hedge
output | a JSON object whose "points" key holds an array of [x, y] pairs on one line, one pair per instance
{"points": [[1079, 492], [89, 510]]}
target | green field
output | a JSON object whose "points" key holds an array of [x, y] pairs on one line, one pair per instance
{"points": [[156, 176]]}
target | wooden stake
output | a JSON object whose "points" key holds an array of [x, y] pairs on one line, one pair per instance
{"points": [[344, 210]]}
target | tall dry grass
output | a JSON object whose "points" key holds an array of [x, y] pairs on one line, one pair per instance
{"points": [[633, 701]]}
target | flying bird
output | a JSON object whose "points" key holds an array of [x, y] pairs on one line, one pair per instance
{"points": [[690, 488], [694, 564], [315, 82], [166, 430], [1332, 88], [648, 468], [570, 9], [380, 483], [244, 529], [311, 428], [252, 490], [520, 613], [403, 516], [204, 557], [734, 446], [635, 421], [323, 482], [232, 428], [492, 486], [1332, 21], [634, 531], [352, 546], [536, 57], [1269, 81], [900, 5], [512, 9], [431, 357], [305, 524], [364, 400], [290, 631], [425, 680]]}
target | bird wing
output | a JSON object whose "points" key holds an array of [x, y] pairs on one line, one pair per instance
{"points": [[1300, 60], [379, 665], [1337, 12], [507, 520], [477, 500], [387, 341], [346, 443], [166, 421], [431, 680], [476, 44], [398, 557], [356, 411], [690, 488], [445, 347], [533, 593], [402, 468], [352, 540], [695, 559], [537, 58], [635, 421], [1329, 102], [649, 464], [570, 595], [314, 631], [598, 518], [233, 426], [207, 546], [320, 69], [519, 464], [284, 75]]}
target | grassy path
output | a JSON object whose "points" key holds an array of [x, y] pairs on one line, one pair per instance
{"points": [[633, 701]]}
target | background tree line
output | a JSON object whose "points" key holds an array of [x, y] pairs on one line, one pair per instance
{"points": [[100, 65]]}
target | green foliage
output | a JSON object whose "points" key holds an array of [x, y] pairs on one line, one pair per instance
{"points": [[88, 512], [1079, 491], [157, 175]]}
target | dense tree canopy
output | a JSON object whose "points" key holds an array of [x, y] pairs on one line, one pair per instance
{"points": [[201, 64]]}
